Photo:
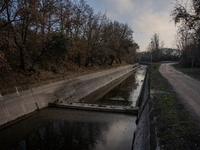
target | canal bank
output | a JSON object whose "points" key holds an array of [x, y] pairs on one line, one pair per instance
{"points": [[78, 129], [23, 102], [164, 122], [120, 95], [143, 136], [49, 120]]}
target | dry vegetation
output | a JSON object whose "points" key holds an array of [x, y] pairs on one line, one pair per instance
{"points": [[10, 79], [47, 39], [188, 34], [176, 129]]}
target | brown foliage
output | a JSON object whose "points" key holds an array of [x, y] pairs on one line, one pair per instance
{"points": [[27, 28], [188, 36]]}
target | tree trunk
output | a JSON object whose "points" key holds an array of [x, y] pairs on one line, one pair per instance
{"points": [[21, 54], [22, 59], [105, 60], [91, 60], [87, 62], [118, 57], [79, 59], [119, 60], [112, 59]]}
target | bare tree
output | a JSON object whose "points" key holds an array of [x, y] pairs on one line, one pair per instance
{"points": [[155, 47], [188, 36], [29, 28]]}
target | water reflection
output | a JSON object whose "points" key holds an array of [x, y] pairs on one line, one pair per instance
{"points": [[124, 91], [60, 134], [139, 78], [70, 129], [120, 94]]}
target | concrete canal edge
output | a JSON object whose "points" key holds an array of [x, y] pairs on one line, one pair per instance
{"points": [[145, 134], [141, 139], [21, 103], [97, 107]]}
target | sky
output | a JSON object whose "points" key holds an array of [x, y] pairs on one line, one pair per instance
{"points": [[145, 17]]}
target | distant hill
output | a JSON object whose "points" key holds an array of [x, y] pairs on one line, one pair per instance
{"points": [[170, 51]]}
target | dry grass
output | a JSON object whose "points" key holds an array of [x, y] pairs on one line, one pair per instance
{"points": [[9, 79], [195, 72], [176, 129]]}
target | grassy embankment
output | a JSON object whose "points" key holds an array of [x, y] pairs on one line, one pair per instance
{"points": [[175, 128], [195, 72]]}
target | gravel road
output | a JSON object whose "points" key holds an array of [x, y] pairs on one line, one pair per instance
{"points": [[187, 88]]}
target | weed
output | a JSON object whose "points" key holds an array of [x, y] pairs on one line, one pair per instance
{"points": [[176, 129], [195, 72]]}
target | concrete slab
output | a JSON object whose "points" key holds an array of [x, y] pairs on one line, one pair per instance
{"points": [[97, 107]]}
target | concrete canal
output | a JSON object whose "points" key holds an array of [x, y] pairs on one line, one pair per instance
{"points": [[124, 91], [53, 128]]}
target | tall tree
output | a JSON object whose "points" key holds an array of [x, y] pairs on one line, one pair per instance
{"points": [[155, 47], [27, 28], [189, 31]]}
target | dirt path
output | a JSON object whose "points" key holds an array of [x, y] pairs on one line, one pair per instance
{"points": [[187, 88]]}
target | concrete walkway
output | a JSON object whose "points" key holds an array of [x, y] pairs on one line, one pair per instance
{"points": [[187, 88]]}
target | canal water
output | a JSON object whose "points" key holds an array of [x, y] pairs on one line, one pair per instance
{"points": [[124, 91], [58, 129]]}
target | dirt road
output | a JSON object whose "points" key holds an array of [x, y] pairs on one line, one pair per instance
{"points": [[187, 88]]}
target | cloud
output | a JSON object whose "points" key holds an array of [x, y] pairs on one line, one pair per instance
{"points": [[152, 22], [146, 16], [154, 19], [112, 15], [121, 6]]}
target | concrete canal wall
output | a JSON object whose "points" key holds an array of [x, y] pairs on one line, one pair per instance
{"points": [[18, 104], [145, 133], [142, 134]]}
